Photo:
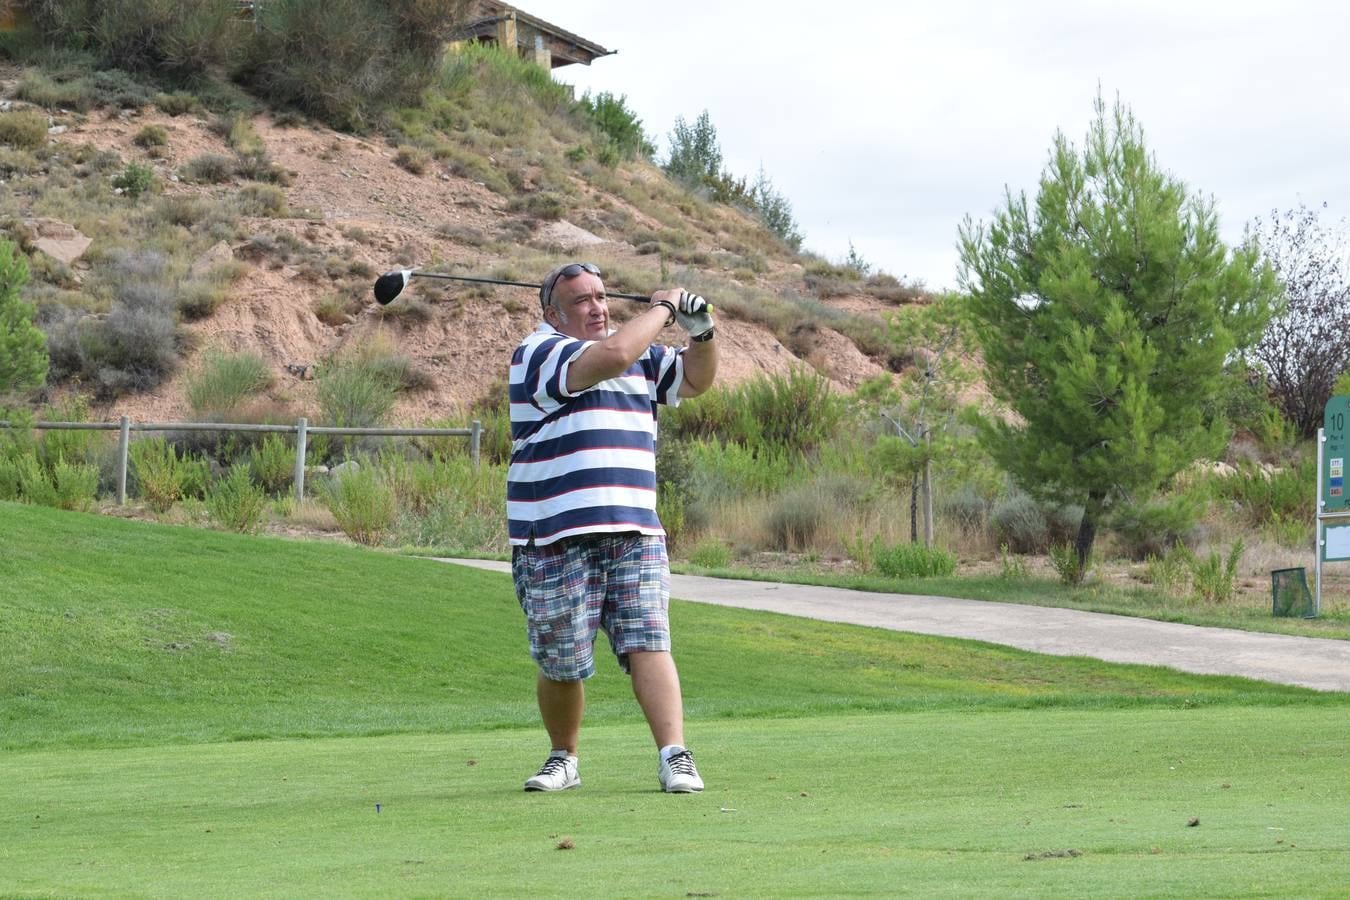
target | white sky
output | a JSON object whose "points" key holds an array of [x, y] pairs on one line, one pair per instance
{"points": [[885, 123]]}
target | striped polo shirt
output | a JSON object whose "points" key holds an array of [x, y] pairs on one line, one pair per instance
{"points": [[584, 463]]}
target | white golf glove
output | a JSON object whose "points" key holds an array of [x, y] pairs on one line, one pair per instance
{"points": [[697, 324], [691, 304]]}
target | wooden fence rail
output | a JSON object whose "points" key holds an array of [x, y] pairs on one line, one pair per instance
{"points": [[301, 429]]}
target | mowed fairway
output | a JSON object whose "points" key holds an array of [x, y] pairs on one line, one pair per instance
{"points": [[192, 713]]}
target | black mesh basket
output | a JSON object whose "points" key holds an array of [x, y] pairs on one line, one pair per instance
{"points": [[1289, 594]]}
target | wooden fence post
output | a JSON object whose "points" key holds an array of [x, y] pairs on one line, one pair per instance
{"points": [[475, 441], [123, 449], [300, 438]]}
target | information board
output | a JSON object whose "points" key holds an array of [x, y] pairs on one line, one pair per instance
{"points": [[1334, 454]]}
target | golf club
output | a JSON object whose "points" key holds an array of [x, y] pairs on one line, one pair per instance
{"points": [[389, 285]]}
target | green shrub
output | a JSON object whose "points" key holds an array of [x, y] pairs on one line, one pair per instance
{"points": [[465, 508], [42, 89], [797, 516], [34, 485], [1214, 578], [151, 136], [413, 159], [732, 470], [620, 125], [208, 168], [75, 484], [200, 298], [1261, 495], [263, 200], [1017, 521], [23, 129], [966, 508], [10, 479], [307, 54], [358, 388], [178, 103], [236, 503], [363, 503], [1011, 567], [119, 88], [135, 345], [1064, 560], [182, 38], [272, 463], [259, 167], [72, 446], [546, 206], [224, 382], [912, 561], [710, 553], [670, 505], [1171, 571], [162, 477], [1155, 527], [135, 179]]}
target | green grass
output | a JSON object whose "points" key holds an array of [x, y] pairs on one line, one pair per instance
{"points": [[188, 712], [1143, 602], [122, 633], [930, 804]]}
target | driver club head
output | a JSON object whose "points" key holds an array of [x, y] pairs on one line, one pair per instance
{"points": [[390, 285]]}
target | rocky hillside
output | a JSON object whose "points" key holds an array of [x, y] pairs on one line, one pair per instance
{"points": [[356, 206]]}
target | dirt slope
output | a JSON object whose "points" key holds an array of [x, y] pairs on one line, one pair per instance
{"points": [[350, 200]]}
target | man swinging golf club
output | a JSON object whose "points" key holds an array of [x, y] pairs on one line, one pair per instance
{"points": [[588, 551]]}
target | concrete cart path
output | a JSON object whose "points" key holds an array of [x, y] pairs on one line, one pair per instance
{"points": [[1319, 663]]}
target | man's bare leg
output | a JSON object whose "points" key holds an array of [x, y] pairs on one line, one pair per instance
{"points": [[561, 704], [656, 684]]}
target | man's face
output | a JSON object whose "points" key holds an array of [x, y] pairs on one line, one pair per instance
{"points": [[583, 307]]}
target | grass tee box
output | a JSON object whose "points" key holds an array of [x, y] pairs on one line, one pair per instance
{"points": [[121, 633], [948, 803], [191, 713]]}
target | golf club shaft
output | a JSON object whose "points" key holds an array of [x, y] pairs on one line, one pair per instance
{"points": [[525, 284]]}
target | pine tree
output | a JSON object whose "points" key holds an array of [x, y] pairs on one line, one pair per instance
{"points": [[23, 348], [1105, 313], [695, 154]]}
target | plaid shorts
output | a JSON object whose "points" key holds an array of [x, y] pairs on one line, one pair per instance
{"points": [[569, 589]]}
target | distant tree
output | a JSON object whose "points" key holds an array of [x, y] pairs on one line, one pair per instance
{"points": [[618, 123], [1105, 314], [695, 154], [774, 210], [1306, 346], [346, 61], [181, 38], [23, 348], [921, 406]]}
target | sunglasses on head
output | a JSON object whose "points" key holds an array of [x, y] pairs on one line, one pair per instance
{"points": [[572, 270]]}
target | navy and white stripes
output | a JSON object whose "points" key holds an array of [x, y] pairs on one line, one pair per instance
{"points": [[585, 463]]}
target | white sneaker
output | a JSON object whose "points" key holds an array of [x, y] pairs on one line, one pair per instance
{"points": [[558, 773], [678, 774]]}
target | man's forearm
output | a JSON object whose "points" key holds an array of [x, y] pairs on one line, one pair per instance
{"points": [[700, 367]]}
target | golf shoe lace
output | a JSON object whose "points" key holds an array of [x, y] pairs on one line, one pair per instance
{"points": [[682, 763], [554, 765]]}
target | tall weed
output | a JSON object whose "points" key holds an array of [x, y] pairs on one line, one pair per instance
{"points": [[912, 560], [75, 484], [236, 503], [1064, 560], [363, 502], [1214, 578], [162, 476], [226, 381], [272, 463]]}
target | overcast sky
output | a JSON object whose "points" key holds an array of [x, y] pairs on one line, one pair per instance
{"points": [[885, 123]]}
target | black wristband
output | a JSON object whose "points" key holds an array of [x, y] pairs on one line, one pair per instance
{"points": [[668, 305], [705, 336]]}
